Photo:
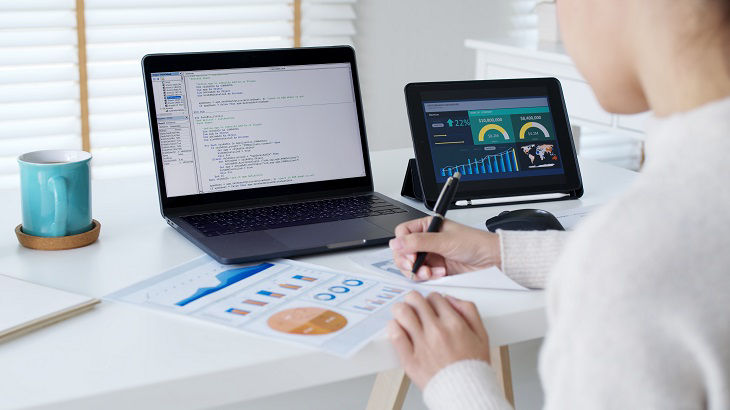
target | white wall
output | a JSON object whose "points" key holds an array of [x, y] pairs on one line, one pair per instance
{"points": [[402, 41]]}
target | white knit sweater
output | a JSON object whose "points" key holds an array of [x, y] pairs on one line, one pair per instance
{"points": [[638, 301]]}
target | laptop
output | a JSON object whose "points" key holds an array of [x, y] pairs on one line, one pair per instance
{"points": [[262, 154]]}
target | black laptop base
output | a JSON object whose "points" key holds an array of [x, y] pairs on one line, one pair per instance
{"points": [[273, 130], [340, 232]]}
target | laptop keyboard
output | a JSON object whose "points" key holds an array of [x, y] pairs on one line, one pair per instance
{"points": [[280, 216]]}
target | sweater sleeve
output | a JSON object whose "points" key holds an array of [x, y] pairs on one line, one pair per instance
{"points": [[465, 385], [528, 256]]}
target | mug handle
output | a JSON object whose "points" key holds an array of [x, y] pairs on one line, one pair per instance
{"points": [[60, 201]]}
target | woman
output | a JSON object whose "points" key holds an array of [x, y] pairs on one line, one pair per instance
{"points": [[638, 301]]}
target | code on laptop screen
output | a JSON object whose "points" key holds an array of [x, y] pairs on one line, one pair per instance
{"points": [[233, 129]]}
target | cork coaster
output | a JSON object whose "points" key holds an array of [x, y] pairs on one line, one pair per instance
{"points": [[61, 242]]}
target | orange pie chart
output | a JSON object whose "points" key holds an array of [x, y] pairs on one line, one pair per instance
{"points": [[307, 321]]}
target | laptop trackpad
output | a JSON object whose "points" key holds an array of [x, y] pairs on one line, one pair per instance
{"points": [[328, 233]]}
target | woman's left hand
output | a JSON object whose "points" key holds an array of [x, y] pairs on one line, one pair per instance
{"points": [[434, 332]]}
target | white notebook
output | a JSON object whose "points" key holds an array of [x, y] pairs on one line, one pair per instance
{"points": [[25, 306]]}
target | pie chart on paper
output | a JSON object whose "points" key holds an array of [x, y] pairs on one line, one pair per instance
{"points": [[307, 321]]}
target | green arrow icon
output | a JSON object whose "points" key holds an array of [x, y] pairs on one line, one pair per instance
{"points": [[451, 123]]}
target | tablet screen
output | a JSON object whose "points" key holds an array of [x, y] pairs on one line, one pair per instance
{"points": [[505, 137], [492, 138]]}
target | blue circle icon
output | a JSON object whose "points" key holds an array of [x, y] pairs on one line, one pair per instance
{"points": [[352, 282], [324, 296], [339, 289]]}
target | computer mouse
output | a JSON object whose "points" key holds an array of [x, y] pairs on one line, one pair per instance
{"points": [[524, 220]]}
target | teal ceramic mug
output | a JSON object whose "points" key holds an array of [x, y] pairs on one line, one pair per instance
{"points": [[55, 192]]}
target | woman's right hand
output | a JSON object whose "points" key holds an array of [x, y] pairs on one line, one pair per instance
{"points": [[455, 249]]}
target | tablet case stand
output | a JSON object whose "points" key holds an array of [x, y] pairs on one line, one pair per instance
{"points": [[412, 189], [412, 183]]}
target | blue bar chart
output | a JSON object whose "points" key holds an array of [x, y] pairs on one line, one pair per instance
{"points": [[503, 162]]}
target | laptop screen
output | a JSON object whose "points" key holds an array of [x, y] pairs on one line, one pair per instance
{"points": [[233, 129]]}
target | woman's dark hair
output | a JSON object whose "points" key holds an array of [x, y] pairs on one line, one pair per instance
{"points": [[724, 8], [724, 27], [719, 11]]}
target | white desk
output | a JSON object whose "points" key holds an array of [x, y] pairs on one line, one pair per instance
{"points": [[120, 357]]}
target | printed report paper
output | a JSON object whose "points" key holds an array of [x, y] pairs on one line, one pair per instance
{"points": [[381, 261], [285, 300]]}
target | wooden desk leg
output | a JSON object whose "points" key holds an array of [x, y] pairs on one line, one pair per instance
{"points": [[389, 390], [501, 365], [391, 386]]}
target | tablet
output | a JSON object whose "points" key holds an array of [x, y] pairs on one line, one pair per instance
{"points": [[507, 138]]}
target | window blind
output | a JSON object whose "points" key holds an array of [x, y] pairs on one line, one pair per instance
{"points": [[120, 32], [39, 92], [39, 85]]}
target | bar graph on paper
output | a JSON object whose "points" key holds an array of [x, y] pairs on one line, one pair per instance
{"points": [[284, 300], [503, 162]]}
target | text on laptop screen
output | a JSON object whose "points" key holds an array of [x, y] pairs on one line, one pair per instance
{"points": [[223, 130]]}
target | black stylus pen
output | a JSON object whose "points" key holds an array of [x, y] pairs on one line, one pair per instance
{"points": [[448, 192]]}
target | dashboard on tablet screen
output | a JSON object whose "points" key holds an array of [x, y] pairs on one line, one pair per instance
{"points": [[492, 138], [506, 138]]}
